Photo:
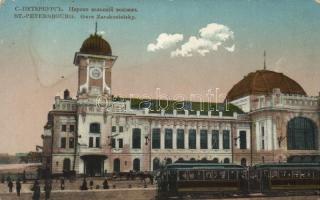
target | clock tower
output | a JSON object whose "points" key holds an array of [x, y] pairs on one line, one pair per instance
{"points": [[94, 62]]}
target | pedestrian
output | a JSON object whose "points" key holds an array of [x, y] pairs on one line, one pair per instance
{"points": [[84, 185], [105, 184], [36, 190], [10, 185], [91, 184], [62, 183], [18, 187], [47, 189]]}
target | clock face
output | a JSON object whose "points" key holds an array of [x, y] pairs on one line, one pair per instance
{"points": [[95, 73]]}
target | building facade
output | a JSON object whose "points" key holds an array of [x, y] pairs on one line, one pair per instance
{"points": [[270, 119]]}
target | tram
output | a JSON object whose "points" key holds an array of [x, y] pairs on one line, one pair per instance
{"points": [[288, 177], [180, 179]]}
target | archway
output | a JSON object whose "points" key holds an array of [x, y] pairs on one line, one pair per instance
{"points": [[66, 165], [243, 162], [136, 164], [156, 164]]}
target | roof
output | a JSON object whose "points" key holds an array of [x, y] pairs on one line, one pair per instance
{"points": [[287, 165], [96, 45], [262, 82]]}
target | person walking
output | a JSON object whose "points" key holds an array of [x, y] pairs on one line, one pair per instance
{"points": [[62, 183], [47, 189], [18, 187], [36, 190], [10, 185]]}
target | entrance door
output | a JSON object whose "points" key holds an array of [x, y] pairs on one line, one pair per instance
{"points": [[93, 166], [116, 165]]}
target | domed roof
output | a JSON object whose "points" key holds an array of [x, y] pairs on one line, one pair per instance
{"points": [[96, 45], [263, 82]]}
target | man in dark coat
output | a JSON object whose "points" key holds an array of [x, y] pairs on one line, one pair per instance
{"points": [[10, 185], [36, 190], [18, 187], [47, 189]]}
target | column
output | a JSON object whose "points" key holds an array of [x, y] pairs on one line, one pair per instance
{"points": [[209, 138], [161, 137], [174, 137], [186, 137], [197, 137]]}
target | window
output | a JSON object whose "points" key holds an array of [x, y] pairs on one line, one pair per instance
{"points": [[301, 134], [243, 140], [71, 128], [243, 162], [226, 139], [136, 138], [156, 138], [120, 143], [64, 128], [120, 129], [71, 142], [156, 164], [203, 139], [192, 139], [180, 139], [215, 139], [113, 143], [97, 142], [90, 142], [136, 165], [94, 128], [215, 160], [168, 139], [226, 160], [63, 142], [114, 129], [262, 131], [262, 144]]}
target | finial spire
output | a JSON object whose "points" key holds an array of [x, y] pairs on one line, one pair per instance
{"points": [[264, 60], [96, 30]]}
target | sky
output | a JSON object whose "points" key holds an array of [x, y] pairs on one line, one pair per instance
{"points": [[178, 46]]}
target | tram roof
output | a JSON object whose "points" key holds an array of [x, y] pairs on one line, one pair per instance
{"points": [[203, 166], [287, 165]]}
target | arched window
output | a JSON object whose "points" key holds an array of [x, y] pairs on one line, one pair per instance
{"points": [[179, 160], [66, 165], [116, 165], [156, 164], [94, 128], [243, 162], [215, 160], [192, 159], [301, 133], [204, 159], [136, 164], [226, 160], [136, 138], [168, 161]]}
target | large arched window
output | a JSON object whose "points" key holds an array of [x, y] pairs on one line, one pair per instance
{"points": [[94, 128], [243, 162], [156, 164], [136, 138], [301, 133], [168, 161], [136, 165], [226, 160]]}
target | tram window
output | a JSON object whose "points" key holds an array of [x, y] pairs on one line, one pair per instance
{"points": [[192, 175], [274, 174], [232, 174], [296, 174], [282, 173], [182, 175], [221, 175], [208, 175], [285, 174], [199, 175]]}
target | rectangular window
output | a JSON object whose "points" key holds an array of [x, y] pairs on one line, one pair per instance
{"points": [[262, 131], [120, 129], [243, 140], [97, 142], [215, 139], [262, 144], [90, 142], [64, 128], [113, 143], [192, 139], [71, 142], [156, 138], [168, 139], [114, 129], [203, 139], [63, 143], [71, 127], [120, 143], [136, 138], [226, 139], [180, 139]]}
